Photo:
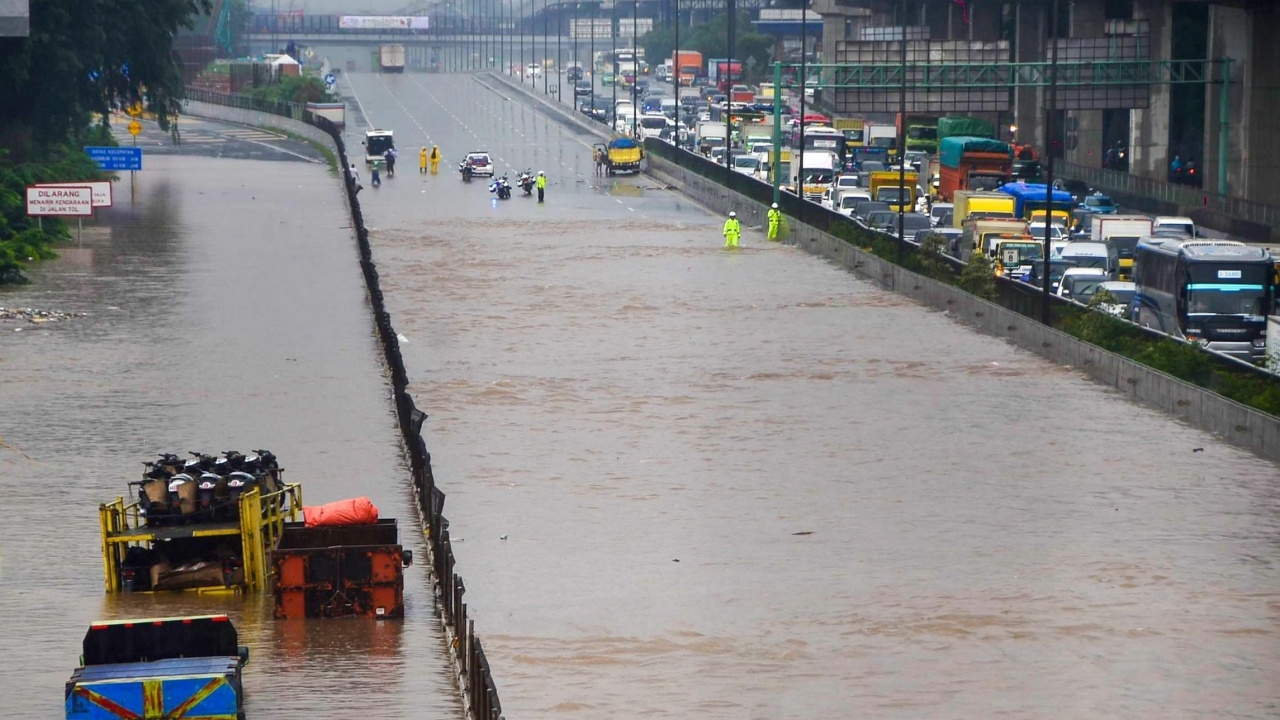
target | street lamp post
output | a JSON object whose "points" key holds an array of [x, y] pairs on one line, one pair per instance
{"points": [[635, 66], [902, 128], [613, 35], [804, 53], [731, 13], [546, 12], [1050, 108], [591, 58], [675, 81]]}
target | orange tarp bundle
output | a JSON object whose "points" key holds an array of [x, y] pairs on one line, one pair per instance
{"points": [[356, 511]]}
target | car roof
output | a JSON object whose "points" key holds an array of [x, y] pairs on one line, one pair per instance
{"points": [[1084, 271]]}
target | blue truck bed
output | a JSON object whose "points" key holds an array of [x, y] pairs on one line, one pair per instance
{"points": [[205, 687]]}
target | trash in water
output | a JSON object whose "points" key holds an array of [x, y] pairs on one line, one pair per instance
{"points": [[37, 317]]}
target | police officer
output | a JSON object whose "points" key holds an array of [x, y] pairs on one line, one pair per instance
{"points": [[541, 184], [775, 221], [732, 230]]}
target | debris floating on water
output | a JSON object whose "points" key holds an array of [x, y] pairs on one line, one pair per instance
{"points": [[33, 315]]}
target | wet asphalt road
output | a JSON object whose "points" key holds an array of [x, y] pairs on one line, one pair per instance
{"points": [[695, 483]]}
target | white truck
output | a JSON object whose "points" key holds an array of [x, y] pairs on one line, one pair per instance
{"points": [[819, 173], [1123, 233], [391, 58], [711, 134]]}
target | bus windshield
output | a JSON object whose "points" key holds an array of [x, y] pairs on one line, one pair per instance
{"points": [[1222, 290]]}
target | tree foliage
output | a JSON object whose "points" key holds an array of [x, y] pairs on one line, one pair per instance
{"points": [[711, 39], [83, 58]]}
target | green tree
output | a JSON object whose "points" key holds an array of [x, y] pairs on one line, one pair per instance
{"points": [[979, 277], [85, 57]]}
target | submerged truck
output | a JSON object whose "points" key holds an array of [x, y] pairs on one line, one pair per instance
{"points": [[178, 667], [972, 163], [340, 571], [391, 58]]}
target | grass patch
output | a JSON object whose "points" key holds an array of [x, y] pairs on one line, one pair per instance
{"points": [[329, 155]]}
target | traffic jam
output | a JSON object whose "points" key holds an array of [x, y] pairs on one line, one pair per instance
{"points": [[959, 188]]}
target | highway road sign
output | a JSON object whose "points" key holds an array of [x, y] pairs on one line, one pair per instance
{"points": [[116, 158], [63, 201], [135, 127], [101, 190]]}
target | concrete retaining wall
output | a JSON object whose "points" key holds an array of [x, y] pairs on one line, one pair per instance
{"points": [[256, 118]]}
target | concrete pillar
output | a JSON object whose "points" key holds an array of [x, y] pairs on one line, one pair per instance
{"points": [[1229, 37], [1029, 44], [1262, 152], [1083, 128], [984, 21], [1149, 127]]}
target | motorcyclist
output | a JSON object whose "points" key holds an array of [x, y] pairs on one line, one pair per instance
{"points": [[732, 230], [1175, 167], [542, 184], [468, 169], [775, 221]]}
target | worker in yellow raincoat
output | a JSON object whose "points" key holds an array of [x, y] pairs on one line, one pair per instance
{"points": [[422, 160], [435, 159], [775, 221], [732, 230]]}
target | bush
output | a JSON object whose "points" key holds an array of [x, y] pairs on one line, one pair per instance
{"points": [[979, 277], [292, 88], [24, 239]]}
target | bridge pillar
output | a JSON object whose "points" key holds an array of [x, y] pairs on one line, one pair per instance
{"points": [[1029, 45], [1149, 127], [1229, 37], [1083, 137]]}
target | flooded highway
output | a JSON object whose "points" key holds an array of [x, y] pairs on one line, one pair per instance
{"points": [[224, 309], [698, 483]]}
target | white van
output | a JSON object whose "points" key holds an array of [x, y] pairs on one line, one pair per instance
{"points": [[1102, 256], [1184, 225]]}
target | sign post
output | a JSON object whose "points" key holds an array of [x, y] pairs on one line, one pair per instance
{"points": [[66, 201]]}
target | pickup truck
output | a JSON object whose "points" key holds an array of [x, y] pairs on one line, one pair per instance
{"points": [[158, 668]]}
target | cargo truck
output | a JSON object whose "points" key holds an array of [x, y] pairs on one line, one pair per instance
{"points": [[921, 130], [687, 64], [819, 174], [181, 667], [972, 163], [711, 134], [621, 154], [982, 203], [1028, 197], [1122, 232], [983, 235], [884, 187], [391, 58], [340, 571], [967, 126]]}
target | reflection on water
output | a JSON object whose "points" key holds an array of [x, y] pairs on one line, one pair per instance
{"points": [[213, 323], [749, 486]]}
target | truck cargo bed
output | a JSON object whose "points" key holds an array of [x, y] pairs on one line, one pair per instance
{"points": [[180, 687], [340, 571]]}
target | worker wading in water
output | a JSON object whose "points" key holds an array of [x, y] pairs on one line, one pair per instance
{"points": [[775, 222], [435, 159], [732, 230], [422, 160]]}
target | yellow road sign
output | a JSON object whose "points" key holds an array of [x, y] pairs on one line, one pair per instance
{"points": [[135, 127], [134, 110]]}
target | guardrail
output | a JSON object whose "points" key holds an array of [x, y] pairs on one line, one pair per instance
{"points": [[296, 111], [478, 687], [1182, 195]]}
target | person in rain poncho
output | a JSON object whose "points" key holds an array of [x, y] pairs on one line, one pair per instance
{"points": [[775, 222]]}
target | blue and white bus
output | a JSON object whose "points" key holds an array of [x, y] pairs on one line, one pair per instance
{"points": [[1214, 292]]}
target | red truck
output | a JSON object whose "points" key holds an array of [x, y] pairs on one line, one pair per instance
{"points": [[972, 163]]}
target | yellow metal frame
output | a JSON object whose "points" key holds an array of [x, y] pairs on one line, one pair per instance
{"points": [[262, 519]]}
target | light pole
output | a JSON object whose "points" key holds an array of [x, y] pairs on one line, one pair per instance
{"points": [[804, 52], [613, 36], [902, 128], [1050, 108], [731, 12], [635, 68], [546, 11], [591, 59], [675, 82]]}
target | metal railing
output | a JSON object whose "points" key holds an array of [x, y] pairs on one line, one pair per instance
{"points": [[479, 689], [296, 111], [1191, 198]]}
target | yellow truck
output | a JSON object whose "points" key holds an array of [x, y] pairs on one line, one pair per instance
{"points": [[1014, 251], [621, 154], [982, 235], [884, 187], [982, 202]]}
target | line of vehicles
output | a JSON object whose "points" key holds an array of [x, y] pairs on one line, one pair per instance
{"points": [[224, 524]]}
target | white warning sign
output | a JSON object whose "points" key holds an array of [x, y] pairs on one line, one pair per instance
{"points": [[63, 201]]}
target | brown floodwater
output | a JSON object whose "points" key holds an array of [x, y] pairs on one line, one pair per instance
{"points": [[689, 482], [225, 309]]}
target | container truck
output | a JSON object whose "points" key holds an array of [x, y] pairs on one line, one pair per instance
{"points": [[687, 64], [882, 136], [1123, 232], [972, 163], [723, 70], [391, 58], [983, 203], [180, 667], [819, 173], [711, 134]]}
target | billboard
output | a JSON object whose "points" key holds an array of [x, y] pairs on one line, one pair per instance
{"points": [[383, 22], [15, 18]]}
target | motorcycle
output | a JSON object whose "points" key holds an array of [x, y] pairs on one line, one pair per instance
{"points": [[501, 187], [526, 182], [466, 171]]}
